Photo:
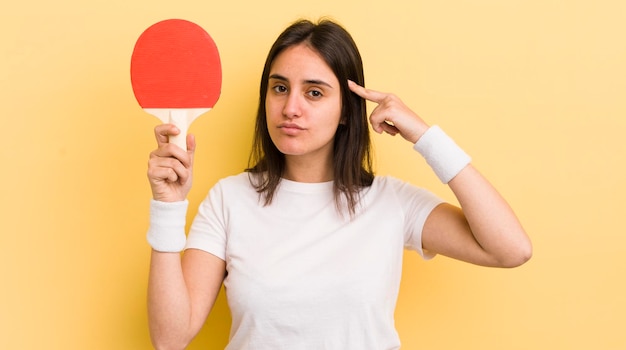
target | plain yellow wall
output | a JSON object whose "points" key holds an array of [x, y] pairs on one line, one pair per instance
{"points": [[533, 90]]}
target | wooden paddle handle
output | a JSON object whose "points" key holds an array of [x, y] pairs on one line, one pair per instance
{"points": [[180, 118]]}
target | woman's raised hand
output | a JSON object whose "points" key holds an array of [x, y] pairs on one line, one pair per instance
{"points": [[391, 115], [170, 167]]}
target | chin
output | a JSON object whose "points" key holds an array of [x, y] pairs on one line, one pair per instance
{"points": [[290, 149]]}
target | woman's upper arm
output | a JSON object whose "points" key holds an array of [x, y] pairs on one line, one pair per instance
{"points": [[204, 274], [447, 232]]}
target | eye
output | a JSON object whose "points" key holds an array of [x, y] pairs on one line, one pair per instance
{"points": [[315, 93], [279, 89]]}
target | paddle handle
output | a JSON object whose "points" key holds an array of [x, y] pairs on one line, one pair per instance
{"points": [[181, 117]]}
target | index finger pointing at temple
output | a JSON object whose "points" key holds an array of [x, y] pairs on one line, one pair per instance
{"points": [[371, 95]]}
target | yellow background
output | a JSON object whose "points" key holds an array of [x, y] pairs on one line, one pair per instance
{"points": [[533, 90]]}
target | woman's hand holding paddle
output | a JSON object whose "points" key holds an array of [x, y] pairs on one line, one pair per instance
{"points": [[391, 115], [170, 167]]}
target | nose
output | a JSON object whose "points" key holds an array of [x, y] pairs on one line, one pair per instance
{"points": [[293, 106]]}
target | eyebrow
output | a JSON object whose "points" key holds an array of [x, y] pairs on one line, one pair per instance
{"points": [[307, 81]]}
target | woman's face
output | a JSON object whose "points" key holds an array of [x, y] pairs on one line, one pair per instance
{"points": [[303, 104]]}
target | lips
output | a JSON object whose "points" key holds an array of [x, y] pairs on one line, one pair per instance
{"points": [[290, 129], [290, 126]]}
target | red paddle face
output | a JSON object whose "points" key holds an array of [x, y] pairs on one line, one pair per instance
{"points": [[175, 64]]}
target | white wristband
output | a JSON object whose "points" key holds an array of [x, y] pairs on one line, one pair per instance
{"points": [[443, 155], [167, 226]]}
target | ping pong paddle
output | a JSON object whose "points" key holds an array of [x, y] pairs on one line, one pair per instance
{"points": [[176, 73]]}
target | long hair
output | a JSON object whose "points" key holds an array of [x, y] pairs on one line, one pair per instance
{"points": [[352, 163]]}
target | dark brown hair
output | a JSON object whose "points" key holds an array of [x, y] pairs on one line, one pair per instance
{"points": [[352, 163]]}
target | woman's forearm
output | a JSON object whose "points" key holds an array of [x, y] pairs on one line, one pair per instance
{"points": [[169, 310], [492, 221]]}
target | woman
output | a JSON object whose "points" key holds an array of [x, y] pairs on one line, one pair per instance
{"points": [[308, 242]]}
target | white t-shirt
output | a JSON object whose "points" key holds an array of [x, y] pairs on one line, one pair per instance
{"points": [[303, 276]]}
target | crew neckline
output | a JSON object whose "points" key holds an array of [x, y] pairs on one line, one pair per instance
{"points": [[305, 187]]}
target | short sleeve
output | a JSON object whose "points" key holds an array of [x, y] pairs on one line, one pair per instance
{"points": [[208, 229], [417, 204]]}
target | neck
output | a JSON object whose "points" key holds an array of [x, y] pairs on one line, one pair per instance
{"points": [[308, 170]]}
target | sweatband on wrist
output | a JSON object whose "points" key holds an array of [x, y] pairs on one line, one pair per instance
{"points": [[443, 155], [167, 226]]}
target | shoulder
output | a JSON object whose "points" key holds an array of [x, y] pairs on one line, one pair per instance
{"points": [[402, 190], [230, 192], [232, 186], [239, 182], [388, 183]]}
